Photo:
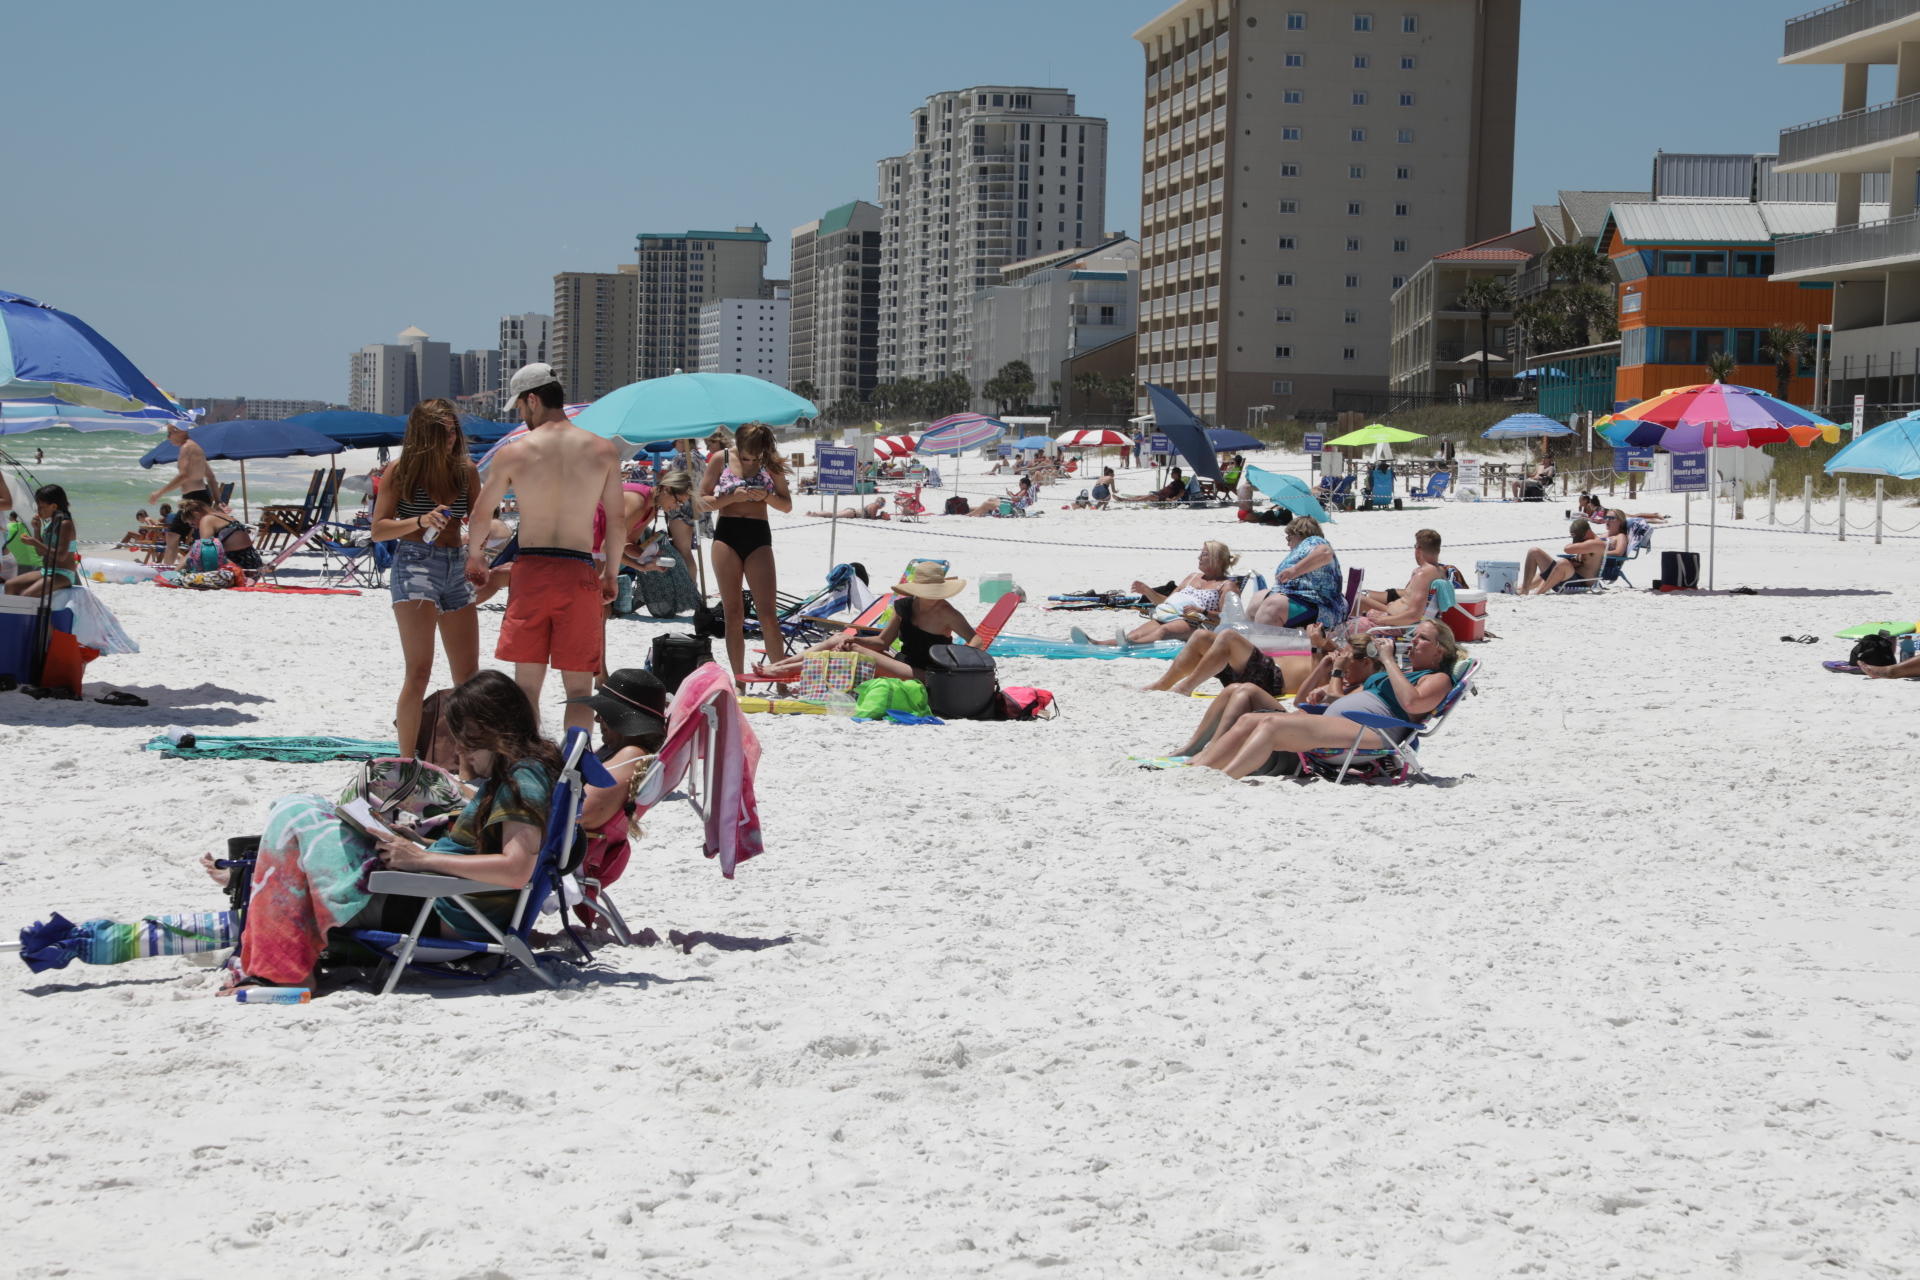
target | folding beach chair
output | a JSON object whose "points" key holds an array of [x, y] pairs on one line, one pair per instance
{"points": [[907, 505], [560, 853], [1339, 495], [1608, 576], [351, 555], [290, 521], [1396, 762], [305, 542], [1436, 486]]}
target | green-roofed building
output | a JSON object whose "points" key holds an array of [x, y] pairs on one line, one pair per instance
{"points": [[679, 273], [833, 337]]}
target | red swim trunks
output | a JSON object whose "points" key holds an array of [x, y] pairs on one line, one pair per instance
{"points": [[553, 611]]}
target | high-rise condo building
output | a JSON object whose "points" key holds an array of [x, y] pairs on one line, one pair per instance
{"points": [[592, 343], [476, 376], [392, 377], [524, 340], [1301, 161], [1048, 309], [834, 332], [996, 173], [746, 335], [681, 272]]}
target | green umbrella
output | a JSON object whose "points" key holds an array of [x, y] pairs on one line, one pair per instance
{"points": [[1376, 433]]}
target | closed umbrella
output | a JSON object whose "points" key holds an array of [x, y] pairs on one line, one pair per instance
{"points": [[49, 355], [1291, 492], [1891, 449], [683, 406], [1174, 420], [244, 439]]}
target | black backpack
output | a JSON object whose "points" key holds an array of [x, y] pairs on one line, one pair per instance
{"points": [[1875, 650], [961, 683], [675, 657]]}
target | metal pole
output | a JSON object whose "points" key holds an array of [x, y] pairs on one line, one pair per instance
{"points": [[1843, 508], [1713, 507], [1773, 498], [833, 535], [1686, 537], [1806, 507], [1879, 505]]}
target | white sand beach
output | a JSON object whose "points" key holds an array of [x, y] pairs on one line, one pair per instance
{"points": [[1634, 994]]}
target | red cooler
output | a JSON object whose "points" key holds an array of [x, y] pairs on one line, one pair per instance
{"points": [[1468, 617]]}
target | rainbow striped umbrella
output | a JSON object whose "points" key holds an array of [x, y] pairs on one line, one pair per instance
{"points": [[958, 432], [1716, 415]]}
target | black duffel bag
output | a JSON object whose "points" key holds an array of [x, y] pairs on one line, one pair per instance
{"points": [[675, 657], [961, 683], [1679, 570]]}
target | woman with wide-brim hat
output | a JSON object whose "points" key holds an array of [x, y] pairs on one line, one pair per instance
{"points": [[923, 616]]}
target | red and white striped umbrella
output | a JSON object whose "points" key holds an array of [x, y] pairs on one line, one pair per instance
{"points": [[893, 446], [1094, 438]]}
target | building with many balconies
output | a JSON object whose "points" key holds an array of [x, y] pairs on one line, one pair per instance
{"points": [[833, 341], [1438, 336], [1870, 256], [680, 272]]}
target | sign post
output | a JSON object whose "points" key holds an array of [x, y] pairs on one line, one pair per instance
{"points": [[839, 474], [1689, 477]]}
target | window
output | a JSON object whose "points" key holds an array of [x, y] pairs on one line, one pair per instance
{"points": [[1283, 386], [1398, 281], [999, 99], [1349, 353], [1694, 264], [1359, 97], [1355, 208], [1403, 174], [1356, 171], [1408, 62], [1405, 135], [1409, 25], [1296, 22], [1357, 135], [1753, 264], [1363, 22], [1292, 97], [1294, 59], [1359, 62], [1402, 209], [1284, 353], [1283, 315], [1406, 99], [1352, 316], [1285, 242], [1289, 170], [1284, 280], [1353, 244], [1353, 282], [1289, 206], [1289, 133]]}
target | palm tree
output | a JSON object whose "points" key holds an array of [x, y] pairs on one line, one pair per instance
{"points": [[1788, 346], [1720, 366], [1486, 295], [806, 390]]}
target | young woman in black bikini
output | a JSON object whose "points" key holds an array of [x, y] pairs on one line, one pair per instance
{"points": [[740, 486]]}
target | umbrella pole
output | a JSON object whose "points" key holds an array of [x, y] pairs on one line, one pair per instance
{"points": [[1713, 508], [246, 514]]}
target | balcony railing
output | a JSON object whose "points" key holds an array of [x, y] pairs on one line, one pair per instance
{"points": [[1848, 18], [1861, 128], [1868, 242]]}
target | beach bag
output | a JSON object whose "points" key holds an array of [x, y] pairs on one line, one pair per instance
{"points": [[957, 506], [666, 593], [961, 682], [675, 657], [824, 674], [1679, 570], [1022, 703], [205, 556], [1875, 650], [411, 796]]}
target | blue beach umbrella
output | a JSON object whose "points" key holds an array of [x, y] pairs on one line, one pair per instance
{"points": [[1545, 371], [1172, 419], [354, 429], [18, 417], [245, 439], [49, 355], [1225, 439], [684, 406], [1033, 442], [1891, 449], [1523, 425], [1290, 492]]}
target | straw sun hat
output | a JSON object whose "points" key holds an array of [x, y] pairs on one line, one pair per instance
{"points": [[928, 580]]}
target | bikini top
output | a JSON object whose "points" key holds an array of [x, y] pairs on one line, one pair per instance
{"points": [[730, 480]]}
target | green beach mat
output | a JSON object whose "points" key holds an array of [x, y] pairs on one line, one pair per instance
{"points": [[1868, 628], [312, 750]]}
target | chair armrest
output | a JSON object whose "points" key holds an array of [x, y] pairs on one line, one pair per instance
{"points": [[428, 884], [1373, 721]]}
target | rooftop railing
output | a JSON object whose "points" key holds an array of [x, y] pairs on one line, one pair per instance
{"points": [[1895, 238], [1848, 18], [1862, 128]]}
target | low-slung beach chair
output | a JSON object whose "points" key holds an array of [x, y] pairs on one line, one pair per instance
{"points": [[1436, 486], [305, 542], [561, 851], [1396, 762], [351, 555], [291, 522]]}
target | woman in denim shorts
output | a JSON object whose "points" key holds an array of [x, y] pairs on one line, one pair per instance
{"points": [[422, 510]]}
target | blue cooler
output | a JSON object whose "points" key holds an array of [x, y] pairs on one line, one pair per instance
{"points": [[1498, 577], [16, 634]]}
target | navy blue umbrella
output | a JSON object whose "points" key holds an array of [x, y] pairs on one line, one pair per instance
{"points": [[249, 439], [1227, 438], [353, 429], [1172, 419]]}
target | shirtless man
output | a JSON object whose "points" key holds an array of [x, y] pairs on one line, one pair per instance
{"points": [[559, 474], [1405, 607], [195, 481]]}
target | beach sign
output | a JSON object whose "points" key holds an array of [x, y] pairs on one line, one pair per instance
{"points": [[839, 468], [1689, 473], [1628, 457], [1159, 446], [1314, 442]]}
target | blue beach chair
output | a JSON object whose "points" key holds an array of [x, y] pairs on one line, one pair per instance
{"points": [[561, 852], [1396, 762], [1436, 486]]}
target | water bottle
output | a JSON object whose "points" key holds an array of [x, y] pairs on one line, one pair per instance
{"points": [[180, 736], [1906, 647], [273, 995], [1402, 650]]}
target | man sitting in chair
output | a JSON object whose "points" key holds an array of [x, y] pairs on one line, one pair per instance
{"points": [[1173, 491], [1402, 607]]}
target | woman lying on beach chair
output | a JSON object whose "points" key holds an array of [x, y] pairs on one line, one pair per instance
{"points": [[1269, 744], [1345, 670], [312, 866], [1193, 605]]}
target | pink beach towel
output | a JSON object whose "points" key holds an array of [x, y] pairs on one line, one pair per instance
{"points": [[733, 817]]}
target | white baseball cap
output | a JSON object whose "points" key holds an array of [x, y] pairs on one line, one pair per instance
{"points": [[528, 378]]}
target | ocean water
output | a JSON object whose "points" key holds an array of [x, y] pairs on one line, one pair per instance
{"points": [[106, 484]]}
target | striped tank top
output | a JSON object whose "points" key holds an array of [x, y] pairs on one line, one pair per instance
{"points": [[419, 504]]}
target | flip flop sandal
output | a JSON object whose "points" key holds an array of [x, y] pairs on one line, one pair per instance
{"points": [[121, 698], [1799, 639]]}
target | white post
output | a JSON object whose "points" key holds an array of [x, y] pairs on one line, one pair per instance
{"points": [[1806, 507], [1843, 508], [833, 535], [1686, 543], [1713, 508], [1879, 506], [1773, 499]]}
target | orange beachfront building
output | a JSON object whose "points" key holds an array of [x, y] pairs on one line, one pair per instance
{"points": [[1693, 281]]}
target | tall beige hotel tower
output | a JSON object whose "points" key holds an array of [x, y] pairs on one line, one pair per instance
{"points": [[1301, 161]]}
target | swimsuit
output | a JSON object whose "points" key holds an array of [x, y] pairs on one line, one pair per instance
{"points": [[743, 535], [245, 557], [553, 611], [916, 645], [51, 525]]}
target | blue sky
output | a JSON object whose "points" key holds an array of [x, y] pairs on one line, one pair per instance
{"points": [[239, 194]]}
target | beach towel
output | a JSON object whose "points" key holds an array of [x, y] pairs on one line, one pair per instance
{"points": [[875, 698], [286, 750], [57, 942], [733, 816], [306, 880]]}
